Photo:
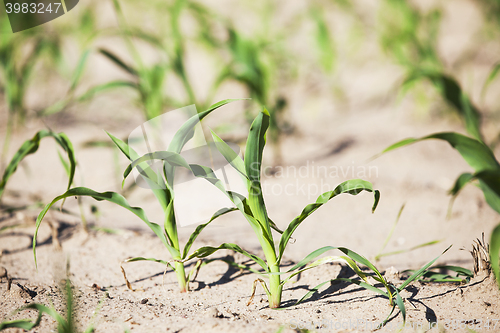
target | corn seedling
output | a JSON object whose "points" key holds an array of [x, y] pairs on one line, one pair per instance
{"points": [[31, 146], [389, 290], [161, 183], [254, 210]]}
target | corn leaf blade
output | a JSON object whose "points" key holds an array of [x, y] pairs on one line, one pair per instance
{"points": [[475, 153], [229, 154], [111, 197], [119, 62], [421, 271], [494, 253], [200, 228], [205, 251], [353, 187]]}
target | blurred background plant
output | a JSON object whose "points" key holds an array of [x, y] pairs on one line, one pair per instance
{"points": [[19, 56]]}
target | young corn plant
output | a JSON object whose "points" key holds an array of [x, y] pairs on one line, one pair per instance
{"points": [[161, 183], [254, 209], [476, 153], [31, 146]]}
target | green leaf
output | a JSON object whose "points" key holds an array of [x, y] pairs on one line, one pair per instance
{"points": [[27, 325], [86, 96], [120, 63], [353, 187], [80, 67], [475, 153], [163, 262], [351, 257], [365, 285], [323, 40], [362, 260], [148, 259], [24, 324], [91, 92], [154, 180], [311, 257], [401, 305], [461, 181], [229, 154], [64, 163], [185, 133], [457, 269], [489, 182], [421, 271], [357, 282], [493, 74], [326, 260], [111, 197], [31, 146], [463, 275], [311, 292], [494, 252], [205, 251], [200, 228], [255, 146], [174, 159]]}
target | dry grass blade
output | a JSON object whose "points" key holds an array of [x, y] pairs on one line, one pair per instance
{"points": [[481, 254], [129, 285], [254, 288]]}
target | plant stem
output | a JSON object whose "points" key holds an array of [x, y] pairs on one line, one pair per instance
{"points": [[181, 277], [275, 287], [171, 231]]}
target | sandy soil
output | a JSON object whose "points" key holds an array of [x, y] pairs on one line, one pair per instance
{"points": [[339, 135]]}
